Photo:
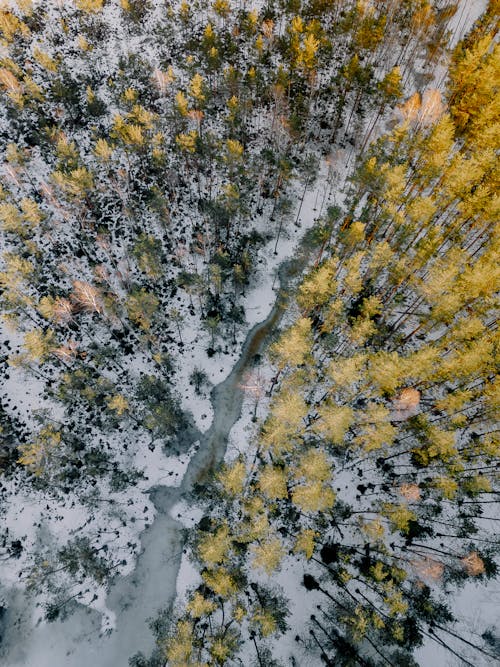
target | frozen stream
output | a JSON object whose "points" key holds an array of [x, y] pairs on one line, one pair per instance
{"points": [[151, 586], [139, 596]]}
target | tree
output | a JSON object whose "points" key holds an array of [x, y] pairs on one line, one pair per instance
{"points": [[374, 462], [142, 307]]}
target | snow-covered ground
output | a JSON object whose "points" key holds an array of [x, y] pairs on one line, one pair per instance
{"points": [[151, 582], [114, 625]]}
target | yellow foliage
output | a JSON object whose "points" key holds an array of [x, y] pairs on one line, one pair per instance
{"points": [[222, 7], [103, 150], [89, 6], [239, 613], [345, 371], [36, 455], [129, 133], [447, 486], [253, 17], [65, 150], [297, 24], [208, 33], [374, 530], [25, 6], [387, 370], [353, 281], [358, 623], [397, 606], [233, 104], [83, 43], [187, 142], [399, 516], [492, 396], [477, 484], [381, 256], [11, 219], [268, 555], [179, 648], [233, 478], [307, 54], [255, 526], [221, 582], [199, 606], [334, 315], [422, 210], [305, 542], [376, 431], [313, 466], [265, 622], [287, 413], [142, 116], [181, 103], [293, 348], [361, 330], [334, 421], [185, 10], [272, 482], [130, 95], [278, 436], [441, 445], [39, 344], [45, 60], [318, 286], [220, 650], [398, 632], [313, 497], [118, 404], [196, 87], [213, 548], [378, 571], [18, 271], [437, 147], [395, 182], [31, 212], [11, 66], [354, 234], [141, 307], [46, 307], [234, 150], [10, 25], [76, 184]]}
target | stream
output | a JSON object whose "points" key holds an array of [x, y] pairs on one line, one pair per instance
{"points": [[151, 586]]}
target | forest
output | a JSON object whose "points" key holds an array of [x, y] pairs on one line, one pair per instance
{"points": [[249, 281]]}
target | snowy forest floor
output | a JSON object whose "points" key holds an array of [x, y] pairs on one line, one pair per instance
{"points": [[160, 572], [152, 584]]}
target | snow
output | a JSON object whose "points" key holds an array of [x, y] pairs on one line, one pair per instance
{"points": [[467, 14], [109, 625], [257, 302], [477, 608], [118, 630]]}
